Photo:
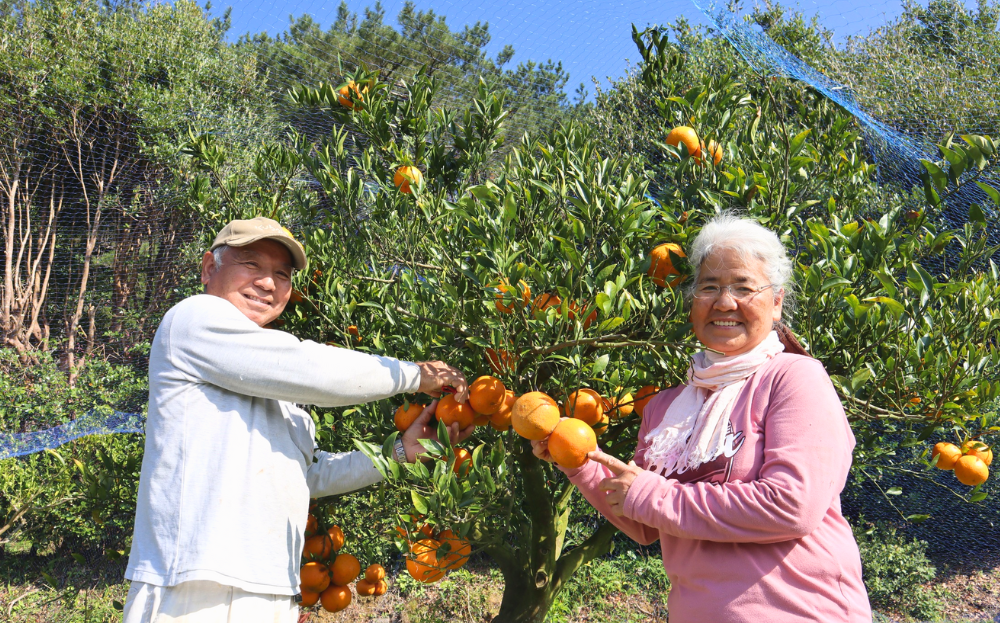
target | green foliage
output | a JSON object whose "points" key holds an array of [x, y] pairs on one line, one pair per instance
{"points": [[896, 570]]}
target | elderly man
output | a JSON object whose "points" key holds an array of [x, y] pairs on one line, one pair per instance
{"points": [[230, 461]]}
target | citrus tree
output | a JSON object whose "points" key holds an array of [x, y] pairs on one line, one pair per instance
{"points": [[547, 272]]}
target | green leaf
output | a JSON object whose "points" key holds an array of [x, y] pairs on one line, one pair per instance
{"points": [[833, 282], [938, 176], [895, 307], [509, 207], [992, 192], [894, 491], [419, 503], [600, 364], [976, 214], [796, 143], [976, 497], [917, 518]]}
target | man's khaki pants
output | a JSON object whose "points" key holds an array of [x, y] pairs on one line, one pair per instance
{"points": [[205, 602]]}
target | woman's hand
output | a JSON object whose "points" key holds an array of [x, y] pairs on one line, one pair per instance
{"points": [[618, 485], [420, 429], [541, 450]]}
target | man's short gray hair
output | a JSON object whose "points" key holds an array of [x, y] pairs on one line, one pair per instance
{"points": [[218, 253], [749, 239]]}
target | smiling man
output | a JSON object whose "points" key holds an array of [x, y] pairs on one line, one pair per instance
{"points": [[230, 461]]}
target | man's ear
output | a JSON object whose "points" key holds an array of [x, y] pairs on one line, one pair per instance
{"points": [[207, 267]]}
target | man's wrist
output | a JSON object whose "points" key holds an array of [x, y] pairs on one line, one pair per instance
{"points": [[399, 452]]}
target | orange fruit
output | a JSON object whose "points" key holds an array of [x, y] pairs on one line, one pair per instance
{"points": [[714, 151], [345, 569], [643, 396], [620, 405], [486, 395], [380, 588], [314, 576], [374, 573], [459, 551], [534, 415], [365, 588], [450, 410], [501, 362], [353, 330], [544, 301], [950, 453], [463, 461], [295, 297], [602, 427], [309, 598], [311, 525], [481, 420], [686, 135], [317, 546], [980, 449], [585, 406], [405, 417], [570, 442], [501, 419], [422, 564], [661, 266], [350, 96], [504, 288], [405, 176], [971, 470], [335, 598], [589, 320], [336, 537]]}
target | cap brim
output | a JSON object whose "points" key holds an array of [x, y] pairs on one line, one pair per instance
{"points": [[299, 261]]}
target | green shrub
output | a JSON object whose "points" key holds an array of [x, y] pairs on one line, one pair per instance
{"points": [[895, 570]]}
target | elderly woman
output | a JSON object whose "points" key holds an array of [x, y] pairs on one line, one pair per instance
{"points": [[738, 473]]}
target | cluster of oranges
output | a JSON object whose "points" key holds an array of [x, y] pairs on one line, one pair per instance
{"points": [[325, 575], [970, 463], [489, 403], [432, 555], [505, 305], [537, 416], [696, 148]]}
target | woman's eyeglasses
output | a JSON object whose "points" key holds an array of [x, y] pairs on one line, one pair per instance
{"points": [[738, 292]]}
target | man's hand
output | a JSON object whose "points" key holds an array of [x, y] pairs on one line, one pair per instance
{"points": [[437, 374], [618, 485], [421, 429]]}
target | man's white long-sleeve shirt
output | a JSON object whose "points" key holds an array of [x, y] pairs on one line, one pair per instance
{"points": [[229, 463]]}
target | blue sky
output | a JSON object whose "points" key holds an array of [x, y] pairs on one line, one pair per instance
{"points": [[590, 37]]}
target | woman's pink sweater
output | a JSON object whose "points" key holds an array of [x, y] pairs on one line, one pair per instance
{"points": [[756, 535]]}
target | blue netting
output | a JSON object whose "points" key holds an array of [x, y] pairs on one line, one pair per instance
{"points": [[96, 422], [896, 153]]}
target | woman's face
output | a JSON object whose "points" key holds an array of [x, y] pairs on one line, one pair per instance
{"points": [[725, 324]]}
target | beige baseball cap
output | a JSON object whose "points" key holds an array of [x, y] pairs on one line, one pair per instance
{"points": [[240, 233]]}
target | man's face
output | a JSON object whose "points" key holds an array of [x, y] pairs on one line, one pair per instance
{"points": [[256, 278]]}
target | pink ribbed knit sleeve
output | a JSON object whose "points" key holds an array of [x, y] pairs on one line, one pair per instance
{"points": [[807, 454]]}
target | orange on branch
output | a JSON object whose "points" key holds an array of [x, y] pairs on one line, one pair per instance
{"points": [[309, 598], [643, 396], [481, 420], [463, 461], [459, 551], [501, 419], [353, 330], [586, 406], [374, 573], [351, 96], [620, 405], [335, 598], [661, 266], [381, 587], [534, 415], [405, 417], [714, 151], [980, 449], [950, 453], [336, 537], [422, 564], [345, 569], [311, 525], [317, 546], [486, 395], [405, 176], [971, 470], [501, 361], [365, 588], [505, 293], [687, 136], [314, 576], [544, 301], [570, 442], [450, 411], [589, 320]]}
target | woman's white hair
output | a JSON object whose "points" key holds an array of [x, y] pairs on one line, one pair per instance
{"points": [[749, 240]]}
